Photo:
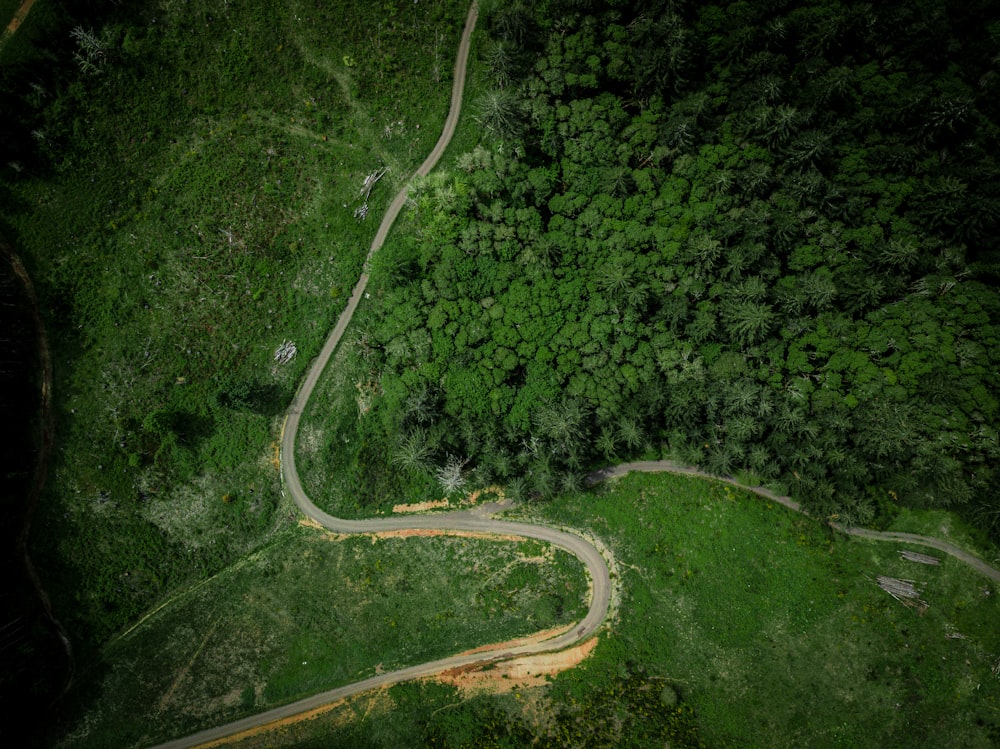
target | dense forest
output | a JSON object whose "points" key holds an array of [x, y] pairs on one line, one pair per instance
{"points": [[760, 237]]}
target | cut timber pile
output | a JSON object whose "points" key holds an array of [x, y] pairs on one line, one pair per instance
{"points": [[914, 556], [904, 591], [366, 190]]}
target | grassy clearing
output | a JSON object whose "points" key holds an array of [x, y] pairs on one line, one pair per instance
{"points": [[309, 613], [775, 631], [188, 209], [948, 527], [764, 624]]}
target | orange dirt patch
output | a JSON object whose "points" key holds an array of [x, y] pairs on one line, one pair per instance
{"points": [[326, 535], [406, 533], [19, 16], [542, 636], [421, 506], [472, 497], [520, 673], [277, 725], [413, 532]]}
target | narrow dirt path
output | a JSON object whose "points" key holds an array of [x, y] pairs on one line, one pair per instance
{"points": [[47, 437], [15, 23], [669, 466]]}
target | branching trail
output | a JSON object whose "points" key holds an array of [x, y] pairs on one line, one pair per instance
{"points": [[669, 466], [466, 521]]}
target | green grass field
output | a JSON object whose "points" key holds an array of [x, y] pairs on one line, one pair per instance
{"points": [[776, 631], [308, 613], [197, 212], [770, 629]]}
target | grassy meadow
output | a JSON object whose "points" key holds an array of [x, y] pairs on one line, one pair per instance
{"points": [[776, 632], [310, 612], [768, 630]]}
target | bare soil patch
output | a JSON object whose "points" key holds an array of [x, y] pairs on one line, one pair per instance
{"points": [[269, 728], [410, 533], [19, 16], [546, 634], [413, 532], [421, 506], [438, 504], [520, 673]]}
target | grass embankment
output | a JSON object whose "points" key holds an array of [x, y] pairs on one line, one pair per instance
{"points": [[189, 209], [946, 526], [768, 628], [311, 612]]}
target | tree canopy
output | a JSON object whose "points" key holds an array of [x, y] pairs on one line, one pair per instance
{"points": [[759, 236]]}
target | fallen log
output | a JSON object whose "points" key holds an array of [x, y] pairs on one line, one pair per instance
{"points": [[904, 591], [915, 556]]}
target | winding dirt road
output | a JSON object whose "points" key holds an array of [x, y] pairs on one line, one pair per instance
{"points": [[468, 521], [473, 521]]}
